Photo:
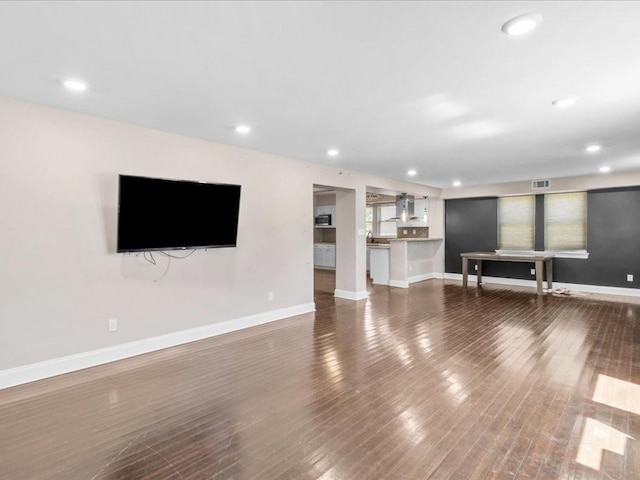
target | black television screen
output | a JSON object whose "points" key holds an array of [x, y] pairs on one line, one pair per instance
{"points": [[156, 214]]}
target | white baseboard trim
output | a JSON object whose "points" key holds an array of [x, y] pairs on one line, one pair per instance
{"points": [[50, 368], [578, 287], [349, 295], [414, 279], [424, 276]]}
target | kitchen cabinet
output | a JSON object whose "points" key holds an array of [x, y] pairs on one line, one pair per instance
{"points": [[330, 256], [318, 255], [324, 255], [379, 271]]}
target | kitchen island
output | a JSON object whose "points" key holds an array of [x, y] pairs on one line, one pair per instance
{"points": [[414, 260], [405, 261]]}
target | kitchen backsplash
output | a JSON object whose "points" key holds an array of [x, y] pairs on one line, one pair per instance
{"points": [[328, 235], [324, 235], [378, 240], [413, 232]]}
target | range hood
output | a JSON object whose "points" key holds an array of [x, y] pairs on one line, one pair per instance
{"points": [[404, 203]]}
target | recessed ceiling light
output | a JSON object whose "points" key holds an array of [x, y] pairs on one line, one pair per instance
{"points": [[564, 102], [75, 85], [333, 152], [243, 129], [593, 148], [457, 183], [522, 24], [411, 172], [605, 169]]}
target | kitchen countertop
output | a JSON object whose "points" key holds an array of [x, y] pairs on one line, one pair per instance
{"points": [[378, 245], [414, 239]]}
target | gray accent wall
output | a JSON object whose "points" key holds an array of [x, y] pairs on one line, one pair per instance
{"points": [[613, 239], [471, 224], [539, 223]]}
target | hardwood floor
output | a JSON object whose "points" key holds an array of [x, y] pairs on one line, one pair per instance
{"points": [[430, 382]]}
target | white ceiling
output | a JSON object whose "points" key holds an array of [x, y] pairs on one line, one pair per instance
{"points": [[434, 86]]}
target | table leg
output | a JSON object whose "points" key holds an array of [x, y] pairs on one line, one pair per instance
{"points": [[550, 274], [479, 272], [465, 271], [539, 276]]}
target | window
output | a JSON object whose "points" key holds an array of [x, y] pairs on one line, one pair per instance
{"points": [[565, 221], [386, 227], [368, 222], [516, 217]]}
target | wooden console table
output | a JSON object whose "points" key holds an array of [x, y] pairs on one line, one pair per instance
{"points": [[539, 260]]}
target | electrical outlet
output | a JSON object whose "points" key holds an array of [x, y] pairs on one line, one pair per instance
{"points": [[476, 267], [270, 296], [629, 277], [414, 232], [533, 271], [113, 324], [404, 232]]}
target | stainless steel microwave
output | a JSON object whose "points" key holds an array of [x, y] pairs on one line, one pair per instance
{"points": [[323, 220]]}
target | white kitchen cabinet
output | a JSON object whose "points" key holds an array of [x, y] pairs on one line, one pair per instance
{"points": [[318, 255], [368, 259], [323, 210], [324, 255], [330, 256], [379, 272]]}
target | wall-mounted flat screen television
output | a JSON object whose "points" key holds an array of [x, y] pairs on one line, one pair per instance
{"points": [[157, 214]]}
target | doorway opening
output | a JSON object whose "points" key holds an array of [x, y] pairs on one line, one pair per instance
{"points": [[324, 245]]}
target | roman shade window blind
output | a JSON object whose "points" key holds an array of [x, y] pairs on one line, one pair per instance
{"points": [[516, 216], [565, 218]]}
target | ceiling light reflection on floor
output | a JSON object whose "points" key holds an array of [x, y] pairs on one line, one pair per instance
{"points": [[456, 388], [370, 332], [412, 426], [425, 345], [333, 367]]}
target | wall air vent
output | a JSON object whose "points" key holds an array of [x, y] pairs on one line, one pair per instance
{"points": [[538, 184]]}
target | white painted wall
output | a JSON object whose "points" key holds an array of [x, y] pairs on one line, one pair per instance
{"points": [[60, 278], [563, 184], [351, 254], [424, 258], [325, 199]]}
